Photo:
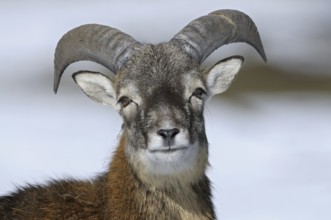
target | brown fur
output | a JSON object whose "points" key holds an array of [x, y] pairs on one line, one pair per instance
{"points": [[118, 194]]}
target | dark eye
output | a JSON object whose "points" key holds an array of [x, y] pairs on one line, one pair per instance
{"points": [[199, 93], [124, 101]]}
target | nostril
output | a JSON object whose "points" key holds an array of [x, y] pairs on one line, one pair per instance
{"points": [[168, 133]]}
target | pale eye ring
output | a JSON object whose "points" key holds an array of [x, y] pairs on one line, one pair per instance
{"points": [[124, 101]]}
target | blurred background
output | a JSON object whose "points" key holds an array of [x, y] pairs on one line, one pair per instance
{"points": [[269, 134]]}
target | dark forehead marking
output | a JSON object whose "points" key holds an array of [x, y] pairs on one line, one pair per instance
{"points": [[156, 66], [163, 60]]}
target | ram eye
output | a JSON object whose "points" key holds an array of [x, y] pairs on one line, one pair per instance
{"points": [[199, 93], [124, 101]]}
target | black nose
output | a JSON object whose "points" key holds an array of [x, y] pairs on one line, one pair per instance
{"points": [[168, 134]]}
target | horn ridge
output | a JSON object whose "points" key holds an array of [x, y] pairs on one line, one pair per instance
{"points": [[92, 42], [205, 34]]}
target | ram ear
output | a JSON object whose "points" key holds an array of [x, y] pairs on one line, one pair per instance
{"points": [[96, 86], [220, 76]]}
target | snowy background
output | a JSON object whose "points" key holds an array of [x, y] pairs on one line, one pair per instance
{"points": [[270, 141]]}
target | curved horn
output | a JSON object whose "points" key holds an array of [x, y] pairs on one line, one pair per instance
{"points": [[205, 34], [102, 44]]}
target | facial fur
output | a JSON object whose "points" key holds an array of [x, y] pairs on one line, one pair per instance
{"points": [[163, 98]]}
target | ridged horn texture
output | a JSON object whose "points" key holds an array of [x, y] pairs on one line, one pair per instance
{"points": [[92, 42], [205, 34]]}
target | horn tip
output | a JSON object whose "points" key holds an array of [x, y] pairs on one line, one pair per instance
{"points": [[56, 83], [55, 91], [264, 56]]}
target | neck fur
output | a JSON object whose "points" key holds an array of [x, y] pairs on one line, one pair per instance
{"points": [[125, 191]]}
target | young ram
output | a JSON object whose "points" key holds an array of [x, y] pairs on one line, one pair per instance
{"points": [[158, 169]]}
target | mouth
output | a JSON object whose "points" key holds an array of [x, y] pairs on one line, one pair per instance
{"points": [[170, 149], [173, 159]]}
